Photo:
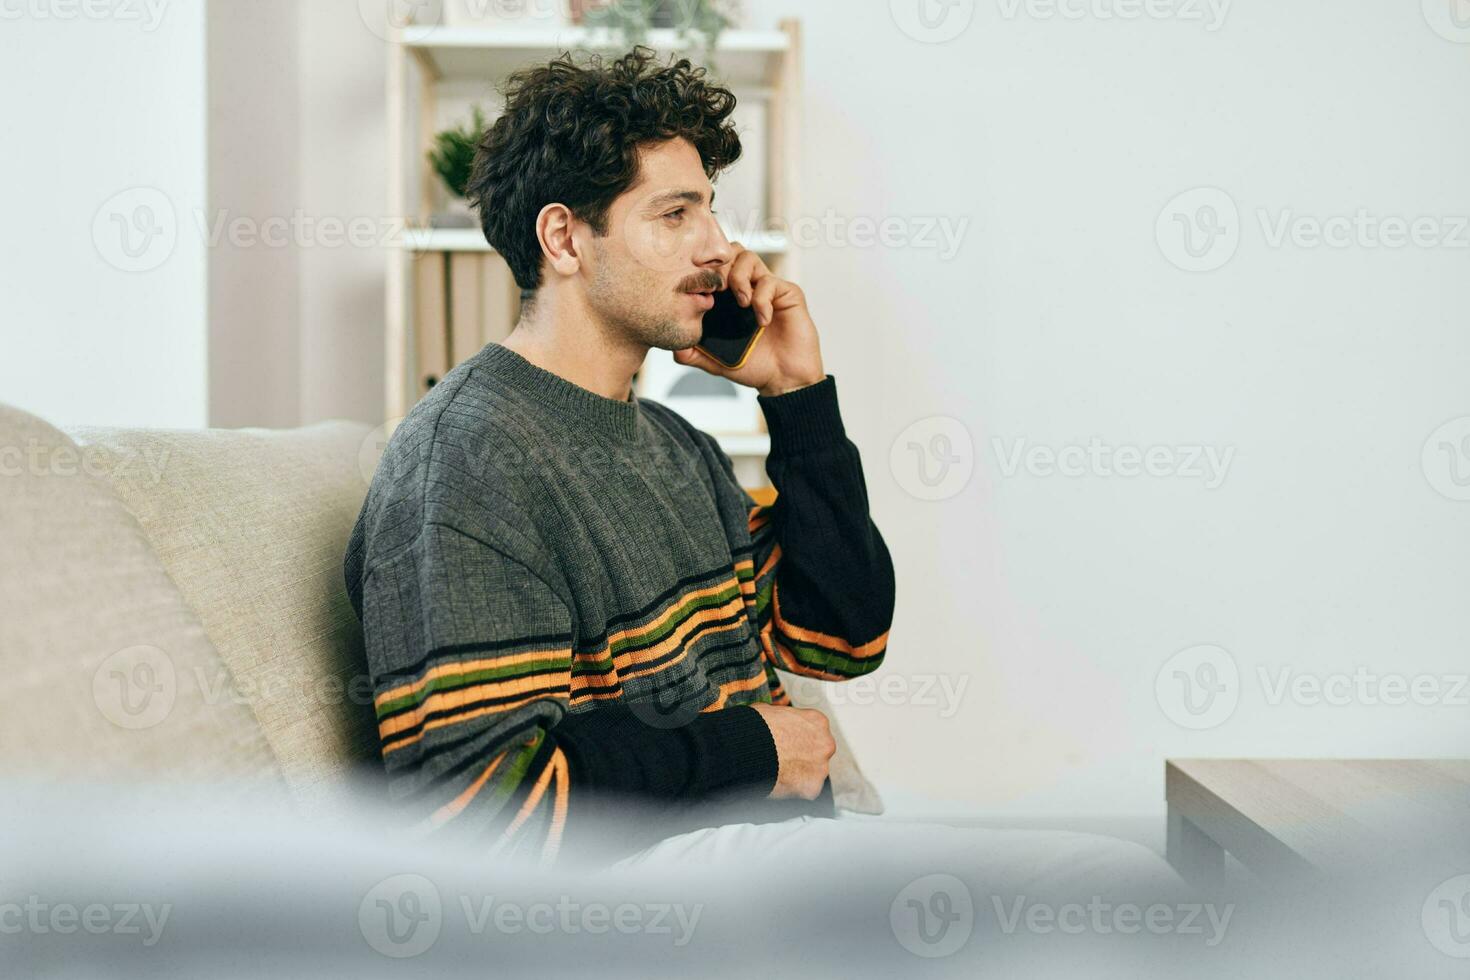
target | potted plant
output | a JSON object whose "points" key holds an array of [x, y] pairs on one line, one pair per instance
{"points": [[697, 23], [451, 157]]}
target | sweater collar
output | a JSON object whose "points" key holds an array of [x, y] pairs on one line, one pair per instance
{"points": [[617, 419]]}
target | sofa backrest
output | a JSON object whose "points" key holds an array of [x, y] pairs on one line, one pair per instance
{"points": [[252, 524], [109, 674]]}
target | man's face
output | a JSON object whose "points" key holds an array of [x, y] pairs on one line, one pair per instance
{"points": [[663, 244]]}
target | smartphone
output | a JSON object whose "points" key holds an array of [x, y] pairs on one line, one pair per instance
{"points": [[730, 330]]}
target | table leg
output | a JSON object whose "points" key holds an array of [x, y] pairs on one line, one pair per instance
{"points": [[1198, 859]]}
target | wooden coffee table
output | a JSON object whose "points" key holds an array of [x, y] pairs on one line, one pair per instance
{"points": [[1282, 818]]}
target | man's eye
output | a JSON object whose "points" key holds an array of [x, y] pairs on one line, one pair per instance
{"points": [[673, 214]]}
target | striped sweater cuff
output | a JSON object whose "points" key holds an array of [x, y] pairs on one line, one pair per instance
{"points": [[804, 419], [741, 737]]}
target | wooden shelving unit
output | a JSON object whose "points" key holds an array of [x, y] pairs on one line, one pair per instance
{"points": [[745, 57], [427, 65], [473, 240]]}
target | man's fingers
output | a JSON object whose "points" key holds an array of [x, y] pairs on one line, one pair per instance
{"points": [[746, 268], [699, 359], [764, 297]]}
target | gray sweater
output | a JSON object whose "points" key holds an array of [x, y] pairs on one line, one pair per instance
{"points": [[567, 599]]}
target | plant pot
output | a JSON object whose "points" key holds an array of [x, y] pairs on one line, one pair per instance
{"points": [[665, 13], [457, 213], [660, 13]]}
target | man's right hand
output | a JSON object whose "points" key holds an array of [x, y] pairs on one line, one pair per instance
{"points": [[804, 747]]}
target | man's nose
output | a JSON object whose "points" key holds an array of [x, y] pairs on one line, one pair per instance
{"points": [[717, 249]]}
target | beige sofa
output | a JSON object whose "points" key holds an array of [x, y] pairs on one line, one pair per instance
{"points": [[172, 606]]}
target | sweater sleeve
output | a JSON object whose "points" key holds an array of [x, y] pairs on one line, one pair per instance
{"points": [[473, 662], [819, 570]]}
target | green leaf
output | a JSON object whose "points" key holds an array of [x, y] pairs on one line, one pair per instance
{"points": [[453, 153]]}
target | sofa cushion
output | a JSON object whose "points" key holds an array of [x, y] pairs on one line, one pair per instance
{"points": [[253, 524], [109, 674]]}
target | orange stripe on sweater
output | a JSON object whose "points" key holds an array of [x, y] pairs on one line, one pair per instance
{"points": [[634, 633], [456, 806], [596, 696], [448, 700], [558, 809], [672, 641], [770, 562], [465, 667], [457, 669], [533, 798], [807, 670], [859, 652], [623, 661], [465, 716], [772, 649], [729, 687]]}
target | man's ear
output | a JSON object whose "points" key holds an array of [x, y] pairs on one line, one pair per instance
{"points": [[554, 227]]}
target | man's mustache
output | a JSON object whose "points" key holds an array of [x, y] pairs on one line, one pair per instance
{"points": [[712, 280]]}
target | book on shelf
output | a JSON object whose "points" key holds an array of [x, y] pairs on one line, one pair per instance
{"points": [[465, 324], [431, 321], [463, 301]]}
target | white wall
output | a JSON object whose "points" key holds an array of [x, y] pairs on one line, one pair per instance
{"points": [[1054, 145], [255, 256], [247, 308], [1057, 599], [344, 141], [104, 118]]}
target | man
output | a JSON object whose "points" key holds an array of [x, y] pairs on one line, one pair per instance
{"points": [[572, 610]]}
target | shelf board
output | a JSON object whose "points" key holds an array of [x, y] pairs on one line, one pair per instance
{"points": [[473, 240], [742, 56], [444, 240]]}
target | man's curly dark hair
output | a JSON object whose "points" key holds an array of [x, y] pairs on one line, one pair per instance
{"points": [[570, 134]]}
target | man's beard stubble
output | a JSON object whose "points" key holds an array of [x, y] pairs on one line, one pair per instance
{"points": [[627, 321]]}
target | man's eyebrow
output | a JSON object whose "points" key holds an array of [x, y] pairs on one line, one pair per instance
{"points": [[677, 197]]}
